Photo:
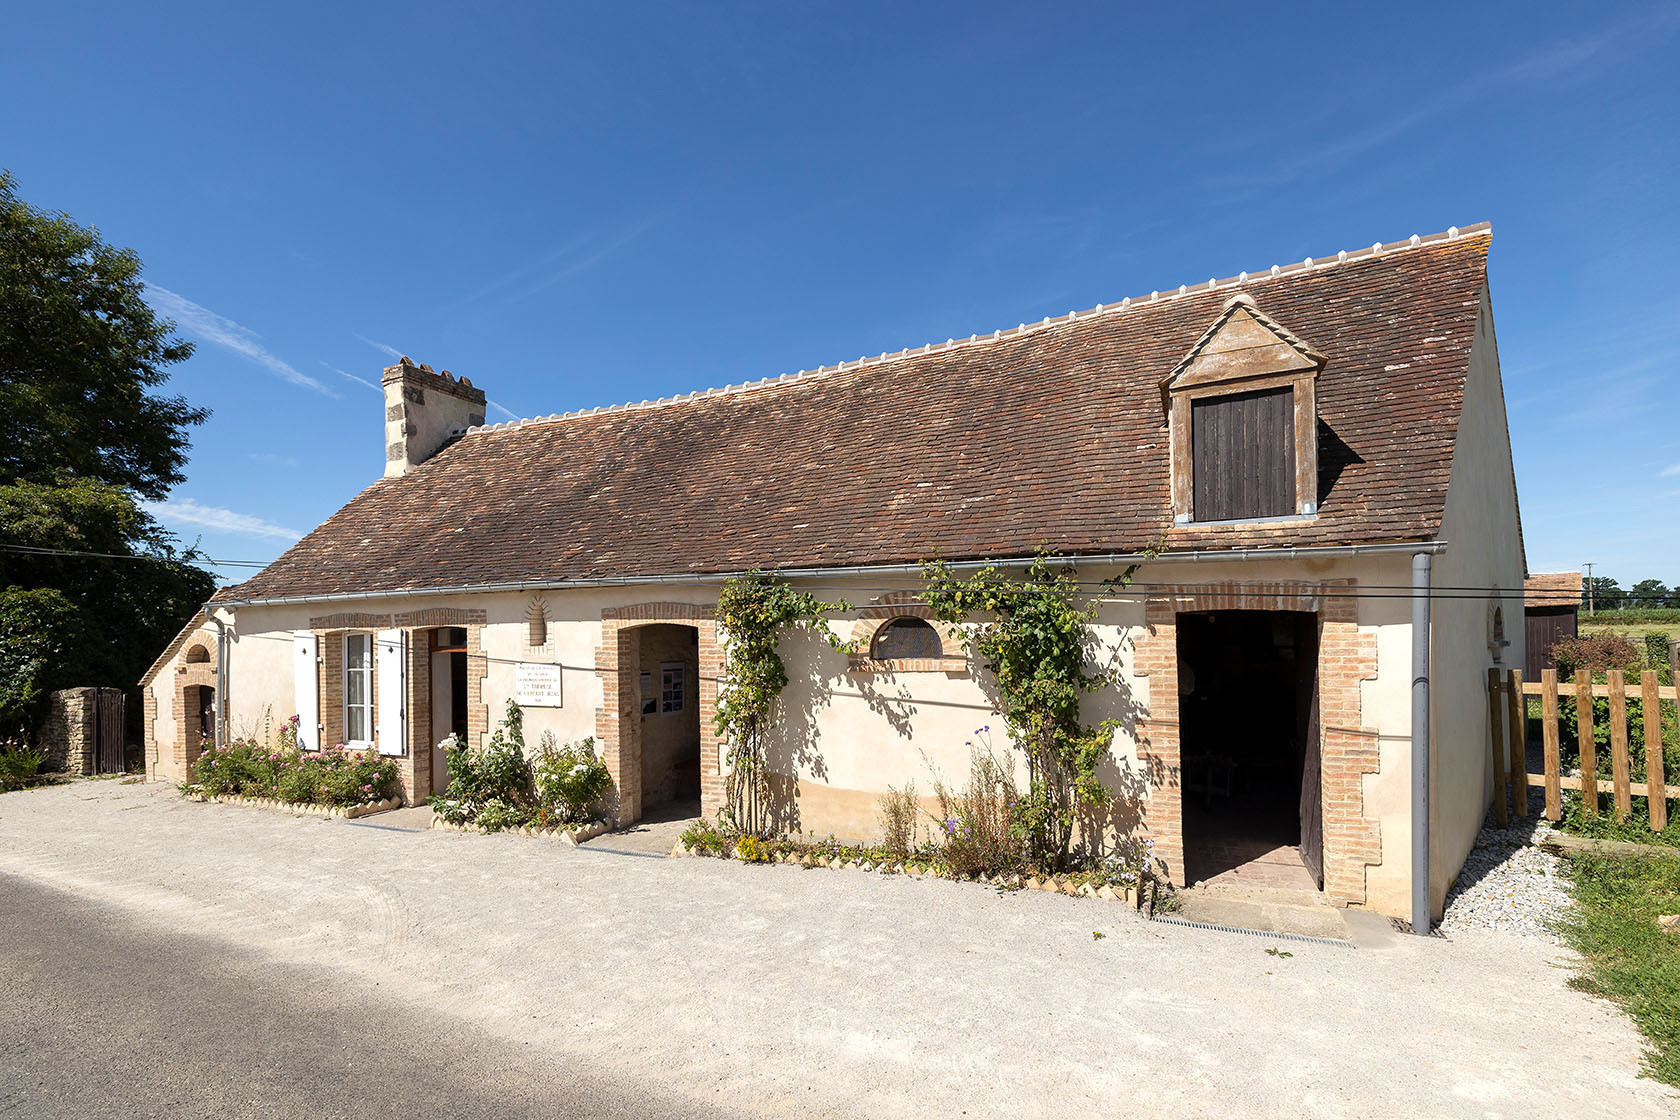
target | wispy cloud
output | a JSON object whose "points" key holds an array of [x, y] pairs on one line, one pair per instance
{"points": [[1670, 472], [271, 459], [570, 259], [185, 511], [353, 377], [510, 413], [388, 351], [198, 320], [1548, 64]]}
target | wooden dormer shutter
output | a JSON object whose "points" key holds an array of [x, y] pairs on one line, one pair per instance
{"points": [[1242, 448]]}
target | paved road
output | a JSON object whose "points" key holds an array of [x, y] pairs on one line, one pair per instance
{"points": [[494, 975], [103, 1016]]}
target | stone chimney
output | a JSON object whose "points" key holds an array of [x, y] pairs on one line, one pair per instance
{"points": [[425, 411]]}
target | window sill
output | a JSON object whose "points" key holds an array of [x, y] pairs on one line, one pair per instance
{"points": [[1286, 519], [907, 665]]}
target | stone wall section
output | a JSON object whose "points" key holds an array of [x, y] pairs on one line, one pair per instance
{"points": [[67, 732]]}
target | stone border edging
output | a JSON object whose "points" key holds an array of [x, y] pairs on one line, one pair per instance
{"points": [[307, 809], [1055, 884], [571, 837]]}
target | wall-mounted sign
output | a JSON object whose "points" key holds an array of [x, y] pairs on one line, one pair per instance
{"points": [[535, 685]]}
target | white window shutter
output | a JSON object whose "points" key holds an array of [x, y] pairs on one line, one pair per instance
{"points": [[391, 726], [307, 689]]}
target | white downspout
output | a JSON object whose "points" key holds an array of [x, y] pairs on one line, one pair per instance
{"points": [[221, 674], [1421, 916]]}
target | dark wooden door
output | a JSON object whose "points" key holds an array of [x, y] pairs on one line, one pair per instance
{"points": [[1546, 627], [1312, 766], [108, 709], [1242, 450]]}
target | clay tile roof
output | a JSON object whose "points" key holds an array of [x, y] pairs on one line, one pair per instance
{"points": [[1552, 589], [1051, 435]]}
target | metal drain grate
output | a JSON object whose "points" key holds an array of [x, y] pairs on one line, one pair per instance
{"points": [[1168, 918]]}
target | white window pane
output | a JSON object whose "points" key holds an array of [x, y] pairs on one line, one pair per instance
{"points": [[356, 652], [356, 687], [357, 725]]}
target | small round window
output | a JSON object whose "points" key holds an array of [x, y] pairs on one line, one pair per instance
{"points": [[904, 638]]}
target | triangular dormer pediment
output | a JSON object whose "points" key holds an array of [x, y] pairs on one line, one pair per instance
{"points": [[1242, 342]]}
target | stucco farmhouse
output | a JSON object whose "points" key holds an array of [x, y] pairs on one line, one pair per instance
{"points": [[1309, 444]]}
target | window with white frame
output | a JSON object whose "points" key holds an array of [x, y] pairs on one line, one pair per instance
{"points": [[358, 689], [671, 678]]}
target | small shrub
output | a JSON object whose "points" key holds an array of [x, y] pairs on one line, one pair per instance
{"points": [[335, 776], [1599, 653], [570, 782], [495, 815], [20, 765], [750, 849], [899, 810], [704, 837], [978, 826]]}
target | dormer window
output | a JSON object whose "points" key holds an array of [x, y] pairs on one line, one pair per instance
{"points": [[1242, 452], [1242, 409]]}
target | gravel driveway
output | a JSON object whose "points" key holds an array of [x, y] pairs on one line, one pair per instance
{"points": [[777, 991]]}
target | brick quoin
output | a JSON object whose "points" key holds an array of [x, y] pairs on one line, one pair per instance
{"points": [[1348, 749], [617, 728]]}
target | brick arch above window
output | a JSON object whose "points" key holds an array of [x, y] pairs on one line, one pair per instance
{"points": [[873, 619]]}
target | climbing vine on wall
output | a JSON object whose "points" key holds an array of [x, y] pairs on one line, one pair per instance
{"points": [[753, 612], [1032, 633]]}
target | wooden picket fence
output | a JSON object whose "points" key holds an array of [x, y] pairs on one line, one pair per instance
{"points": [[1508, 722]]}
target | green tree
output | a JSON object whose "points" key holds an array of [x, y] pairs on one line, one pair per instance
{"points": [[81, 357], [1603, 593], [1648, 593]]}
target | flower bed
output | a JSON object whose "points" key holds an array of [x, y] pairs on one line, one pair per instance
{"points": [[347, 812], [572, 836], [495, 788], [334, 778], [1116, 882]]}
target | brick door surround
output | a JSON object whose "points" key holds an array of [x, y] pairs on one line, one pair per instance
{"points": [[1348, 749], [617, 720]]}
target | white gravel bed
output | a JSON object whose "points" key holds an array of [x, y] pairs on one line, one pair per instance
{"points": [[1509, 884]]}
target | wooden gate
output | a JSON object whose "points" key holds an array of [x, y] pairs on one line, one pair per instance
{"points": [[1508, 696], [109, 708]]}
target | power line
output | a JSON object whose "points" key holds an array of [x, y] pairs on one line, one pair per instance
{"points": [[1357, 591], [34, 550]]}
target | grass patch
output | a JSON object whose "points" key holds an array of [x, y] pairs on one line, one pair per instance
{"points": [[1629, 960], [1604, 826]]}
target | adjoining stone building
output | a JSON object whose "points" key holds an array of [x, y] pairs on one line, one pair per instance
{"points": [[1305, 440]]}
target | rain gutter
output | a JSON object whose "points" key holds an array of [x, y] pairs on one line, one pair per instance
{"points": [[1207, 556]]}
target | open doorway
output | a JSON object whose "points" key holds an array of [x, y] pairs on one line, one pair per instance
{"points": [[449, 696], [669, 731], [1248, 711]]}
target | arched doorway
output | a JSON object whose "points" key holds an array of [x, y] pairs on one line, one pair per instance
{"points": [[659, 665]]}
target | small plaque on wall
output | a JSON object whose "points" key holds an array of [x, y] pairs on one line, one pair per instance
{"points": [[536, 685]]}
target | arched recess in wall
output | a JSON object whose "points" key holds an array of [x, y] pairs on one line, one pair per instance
{"points": [[536, 617], [899, 635]]}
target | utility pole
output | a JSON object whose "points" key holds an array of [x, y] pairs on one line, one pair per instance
{"points": [[1589, 590]]}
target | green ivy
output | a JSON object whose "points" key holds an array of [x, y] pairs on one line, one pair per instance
{"points": [[753, 610], [1034, 638]]}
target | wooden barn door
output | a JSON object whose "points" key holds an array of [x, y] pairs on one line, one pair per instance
{"points": [[108, 710]]}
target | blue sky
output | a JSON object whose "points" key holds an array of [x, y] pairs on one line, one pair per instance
{"points": [[586, 204]]}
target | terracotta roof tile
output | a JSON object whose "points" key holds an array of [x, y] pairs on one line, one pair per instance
{"points": [[1050, 437], [1552, 589]]}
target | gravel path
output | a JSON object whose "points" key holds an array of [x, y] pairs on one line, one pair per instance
{"points": [[1509, 884], [777, 991]]}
